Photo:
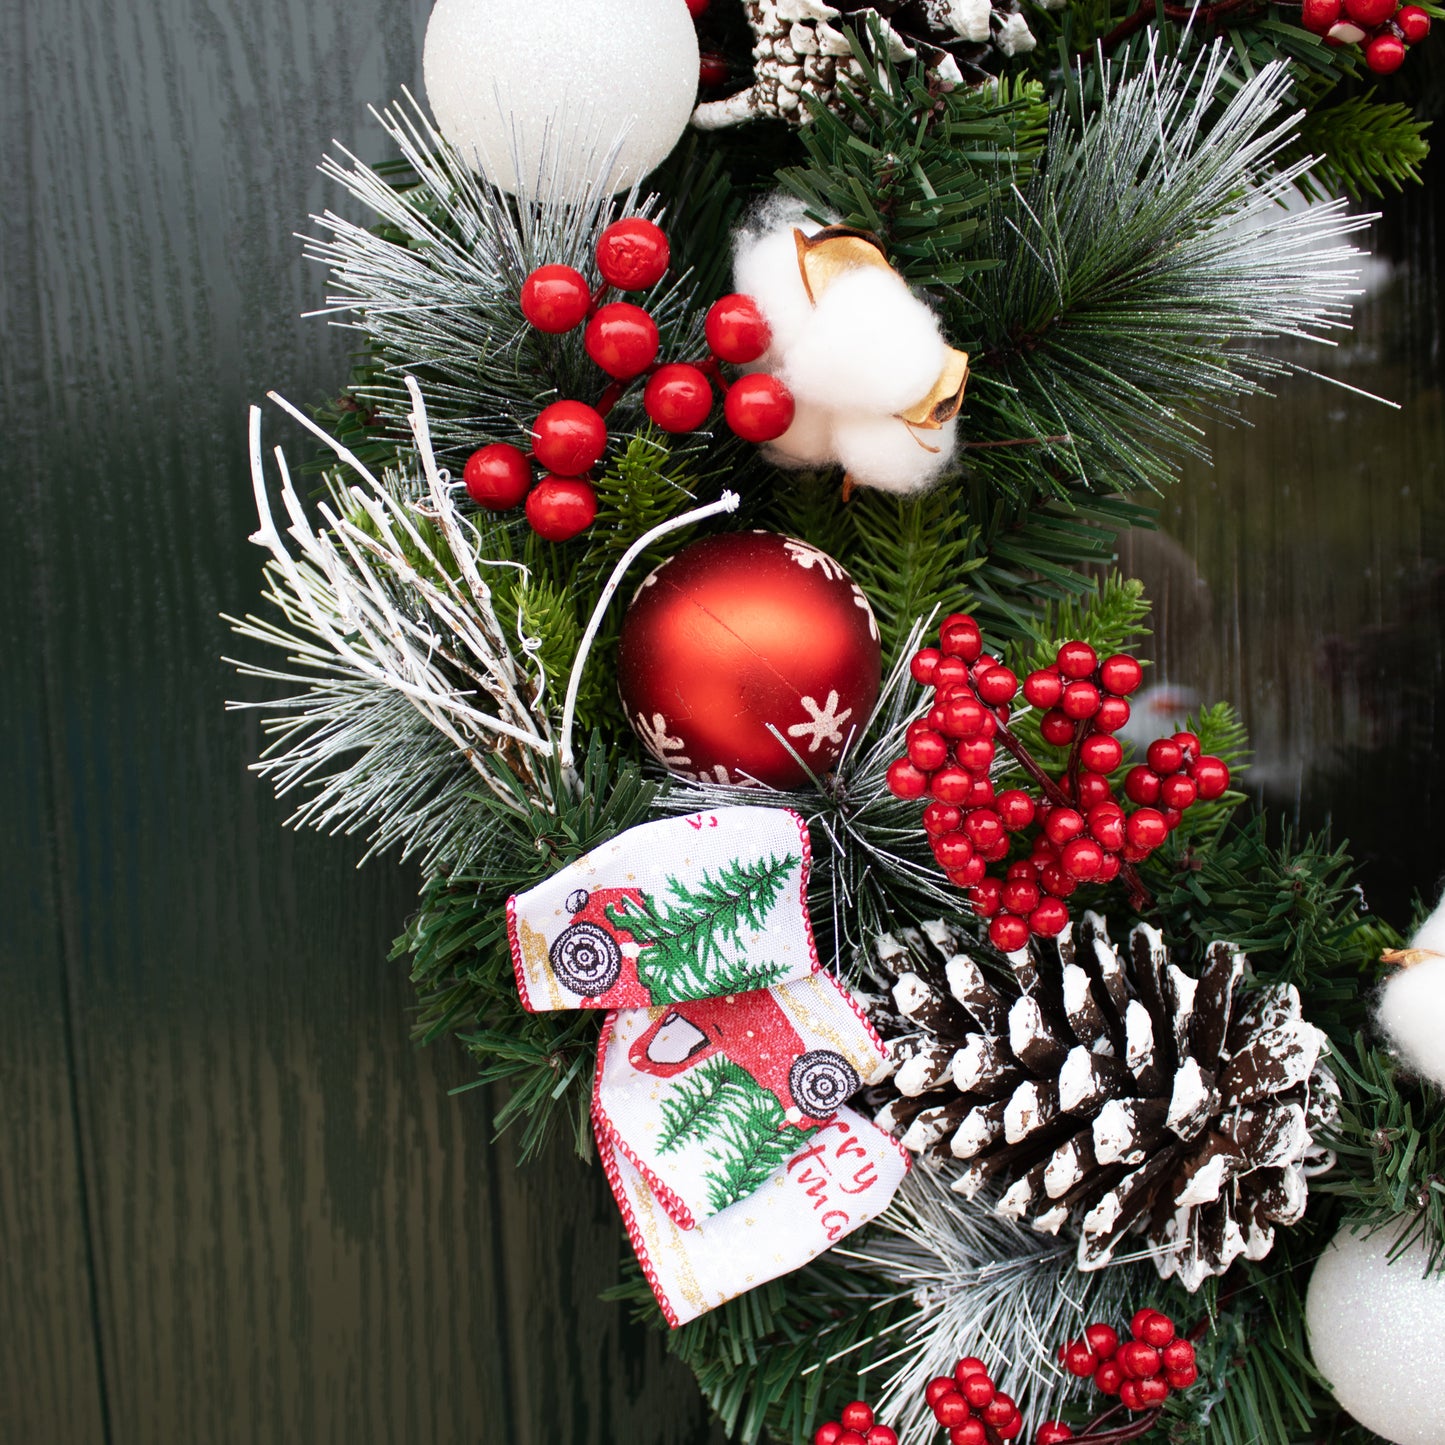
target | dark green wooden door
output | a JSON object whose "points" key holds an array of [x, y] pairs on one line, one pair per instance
{"points": [[236, 1205]]}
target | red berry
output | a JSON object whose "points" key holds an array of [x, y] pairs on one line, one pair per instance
{"points": [[971, 1432], [982, 794], [712, 68], [976, 1389], [952, 672], [984, 827], [1154, 1329], [1056, 882], [1165, 756], [736, 330], [927, 750], [953, 850], [677, 397], [987, 897], [1153, 1391], [937, 1388], [924, 664], [999, 1410], [1138, 1359], [1108, 1378], [952, 1409], [941, 818], [997, 685], [1172, 818], [1080, 700], [1108, 869], [1057, 729], [1016, 809], [1077, 659], [857, 1415], [1079, 1359], [1113, 713], [1008, 933], [1320, 15], [881, 1435], [1120, 674], [555, 298], [1182, 1378], [964, 714], [622, 339], [1020, 896], [1414, 22], [1054, 1432], [971, 874], [1369, 14], [1106, 826], [1178, 792], [960, 637], [1091, 789], [1043, 689], [569, 438], [851, 1437], [561, 507], [1141, 785], [1082, 859], [497, 477], [1063, 825], [1012, 1428], [1103, 1340], [969, 1364], [951, 784], [1100, 753], [1211, 777], [1189, 743], [632, 254], [696, 7], [1176, 1353], [1129, 1395], [828, 1433], [759, 408], [975, 754], [905, 780]]}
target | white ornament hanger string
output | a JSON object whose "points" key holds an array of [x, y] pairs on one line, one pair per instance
{"points": [[728, 502]]}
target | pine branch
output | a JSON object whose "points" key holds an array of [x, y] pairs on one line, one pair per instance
{"points": [[708, 1096], [695, 943], [750, 1148], [1365, 145]]}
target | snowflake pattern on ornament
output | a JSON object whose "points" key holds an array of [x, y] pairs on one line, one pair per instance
{"points": [[667, 749], [808, 556], [826, 724]]}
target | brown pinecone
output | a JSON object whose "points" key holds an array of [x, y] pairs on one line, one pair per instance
{"points": [[1113, 1093]]}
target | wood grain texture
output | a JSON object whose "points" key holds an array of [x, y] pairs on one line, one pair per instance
{"points": [[296, 1234]]}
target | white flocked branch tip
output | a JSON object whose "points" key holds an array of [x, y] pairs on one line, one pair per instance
{"points": [[728, 502]]}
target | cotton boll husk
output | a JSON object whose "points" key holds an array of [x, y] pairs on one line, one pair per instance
{"points": [[869, 345], [886, 453], [1412, 1004], [765, 267], [808, 442]]}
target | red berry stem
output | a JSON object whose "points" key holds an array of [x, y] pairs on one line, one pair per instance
{"points": [[1140, 1425], [603, 287]]}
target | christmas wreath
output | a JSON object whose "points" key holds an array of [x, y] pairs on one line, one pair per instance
{"points": [[707, 579]]}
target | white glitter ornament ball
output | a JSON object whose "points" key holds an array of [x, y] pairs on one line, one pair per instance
{"points": [[1375, 1330], [536, 96]]}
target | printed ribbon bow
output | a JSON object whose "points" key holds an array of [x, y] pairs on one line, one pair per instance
{"points": [[727, 1059]]}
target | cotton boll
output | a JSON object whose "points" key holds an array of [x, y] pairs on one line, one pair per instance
{"points": [[808, 442], [1014, 36], [1412, 1003], [766, 268], [870, 344], [887, 453]]}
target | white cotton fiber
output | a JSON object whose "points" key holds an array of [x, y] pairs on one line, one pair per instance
{"points": [[808, 442], [766, 268], [869, 343], [968, 19], [884, 452], [1412, 1004]]}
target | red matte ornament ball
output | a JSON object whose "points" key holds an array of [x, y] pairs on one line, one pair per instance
{"points": [[497, 477], [736, 330], [1077, 660], [561, 507], [555, 298], [743, 632], [632, 254], [1415, 23], [857, 1415], [678, 397], [758, 407], [622, 339], [569, 438]]}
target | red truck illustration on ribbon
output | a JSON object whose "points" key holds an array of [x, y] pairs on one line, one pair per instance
{"points": [[592, 955]]}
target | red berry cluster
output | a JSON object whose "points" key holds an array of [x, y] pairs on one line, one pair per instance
{"points": [[855, 1425], [1142, 1371], [1082, 834], [972, 1409], [1384, 30]]}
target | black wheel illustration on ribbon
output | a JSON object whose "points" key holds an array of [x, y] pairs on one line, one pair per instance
{"points": [[586, 958], [821, 1082]]}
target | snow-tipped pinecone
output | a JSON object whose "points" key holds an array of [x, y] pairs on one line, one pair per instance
{"points": [[1115, 1093], [799, 49]]}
